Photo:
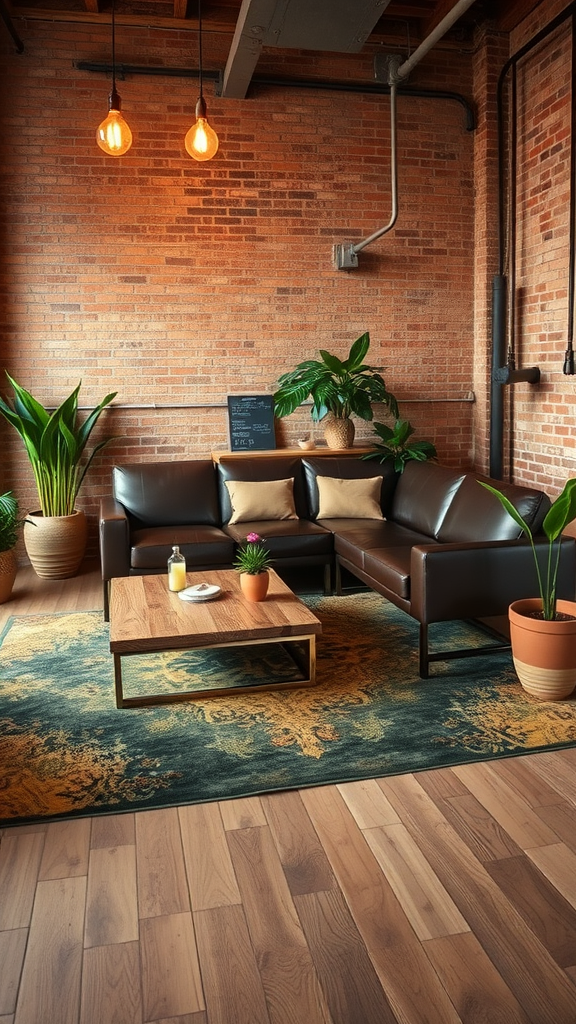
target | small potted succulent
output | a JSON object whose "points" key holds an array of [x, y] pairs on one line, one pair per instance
{"points": [[252, 561], [339, 388], [543, 629]]}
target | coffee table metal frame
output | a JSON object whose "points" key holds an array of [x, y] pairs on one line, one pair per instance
{"points": [[166, 623]]}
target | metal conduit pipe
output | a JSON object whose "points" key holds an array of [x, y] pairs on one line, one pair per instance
{"points": [[426, 45], [345, 255], [503, 290]]}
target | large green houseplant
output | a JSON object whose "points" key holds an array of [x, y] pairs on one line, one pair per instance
{"points": [[340, 387], [56, 444], [543, 629]]}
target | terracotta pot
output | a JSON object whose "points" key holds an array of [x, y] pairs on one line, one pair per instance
{"points": [[254, 585], [339, 433], [544, 652], [8, 570], [55, 544]]}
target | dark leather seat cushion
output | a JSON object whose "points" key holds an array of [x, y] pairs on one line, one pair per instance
{"points": [[286, 538], [200, 545], [354, 537]]}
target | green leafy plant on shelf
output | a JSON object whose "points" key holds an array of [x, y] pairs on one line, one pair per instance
{"points": [[56, 444], [252, 556], [343, 387], [559, 515], [394, 445]]}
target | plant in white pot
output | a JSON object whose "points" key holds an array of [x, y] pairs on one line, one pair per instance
{"points": [[339, 389], [56, 446], [9, 524], [543, 629]]}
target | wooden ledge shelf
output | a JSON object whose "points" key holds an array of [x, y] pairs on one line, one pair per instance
{"points": [[320, 450]]}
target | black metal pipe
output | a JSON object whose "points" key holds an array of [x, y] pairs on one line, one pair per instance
{"points": [[568, 367], [507, 374], [499, 289], [370, 88]]}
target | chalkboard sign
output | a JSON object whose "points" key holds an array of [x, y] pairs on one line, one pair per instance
{"points": [[251, 419]]}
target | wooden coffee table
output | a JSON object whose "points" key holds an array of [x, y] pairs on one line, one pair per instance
{"points": [[146, 617]]}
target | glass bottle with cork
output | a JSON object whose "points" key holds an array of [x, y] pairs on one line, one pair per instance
{"points": [[176, 570]]}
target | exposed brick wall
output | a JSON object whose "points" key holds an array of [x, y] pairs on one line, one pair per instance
{"points": [[544, 437], [177, 283]]}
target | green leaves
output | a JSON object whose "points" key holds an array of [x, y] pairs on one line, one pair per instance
{"points": [[343, 387], [55, 444], [9, 522], [559, 515], [394, 445]]}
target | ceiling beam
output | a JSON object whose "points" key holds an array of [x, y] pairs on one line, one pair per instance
{"points": [[253, 22]]}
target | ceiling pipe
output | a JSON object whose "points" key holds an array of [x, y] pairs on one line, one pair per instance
{"points": [[345, 255]]}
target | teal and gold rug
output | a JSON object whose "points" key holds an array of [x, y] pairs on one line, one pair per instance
{"points": [[66, 750]]}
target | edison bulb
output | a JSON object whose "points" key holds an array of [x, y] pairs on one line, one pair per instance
{"points": [[113, 135], [201, 140]]}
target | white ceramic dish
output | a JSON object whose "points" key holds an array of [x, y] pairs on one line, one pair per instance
{"points": [[200, 592]]}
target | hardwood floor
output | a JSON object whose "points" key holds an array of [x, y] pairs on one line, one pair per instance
{"points": [[442, 897]]}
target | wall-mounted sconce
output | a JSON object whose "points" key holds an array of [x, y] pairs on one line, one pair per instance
{"points": [[201, 140], [113, 135]]}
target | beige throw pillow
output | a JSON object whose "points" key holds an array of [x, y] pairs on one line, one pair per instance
{"points": [[252, 500], [349, 499]]}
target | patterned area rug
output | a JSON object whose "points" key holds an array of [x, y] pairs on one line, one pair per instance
{"points": [[66, 750]]}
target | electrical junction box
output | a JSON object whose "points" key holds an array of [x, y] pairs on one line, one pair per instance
{"points": [[344, 257]]}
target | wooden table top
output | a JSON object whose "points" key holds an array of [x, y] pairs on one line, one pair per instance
{"points": [[146, 616]]}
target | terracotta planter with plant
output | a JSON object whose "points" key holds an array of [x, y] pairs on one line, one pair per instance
{"points": [[252, 562], [55, 535], [543, 630], [339, 389]]}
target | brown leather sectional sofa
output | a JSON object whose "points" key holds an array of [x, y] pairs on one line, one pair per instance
{"points": [[442, 549]]}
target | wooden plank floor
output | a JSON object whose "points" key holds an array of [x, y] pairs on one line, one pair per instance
{"points": [[442, 897]]}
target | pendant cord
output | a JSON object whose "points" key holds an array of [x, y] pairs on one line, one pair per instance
{"points": [[113, 47], [200, 44]]}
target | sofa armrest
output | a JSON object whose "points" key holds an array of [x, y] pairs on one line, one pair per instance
{"points": [[478, 580], [114, 539]]}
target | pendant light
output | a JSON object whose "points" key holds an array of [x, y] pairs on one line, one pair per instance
{"points": [[201, 140], [113, 135]]}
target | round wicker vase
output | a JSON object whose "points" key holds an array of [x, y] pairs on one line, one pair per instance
{"points": [[55, 544], [339, 433], [8, 570], [544, 652], [254, 585]]}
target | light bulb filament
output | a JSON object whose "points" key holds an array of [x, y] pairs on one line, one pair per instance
{"points": [[113, 135]]}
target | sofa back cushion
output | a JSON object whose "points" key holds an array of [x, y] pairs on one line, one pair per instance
{"points": [[347, 468], [168, 493], [477, 515], [260, 470], [423, 496]]}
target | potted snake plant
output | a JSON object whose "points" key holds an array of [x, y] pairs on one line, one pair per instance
{"points": [[56, 445], [339, 389], [543, 629]]}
